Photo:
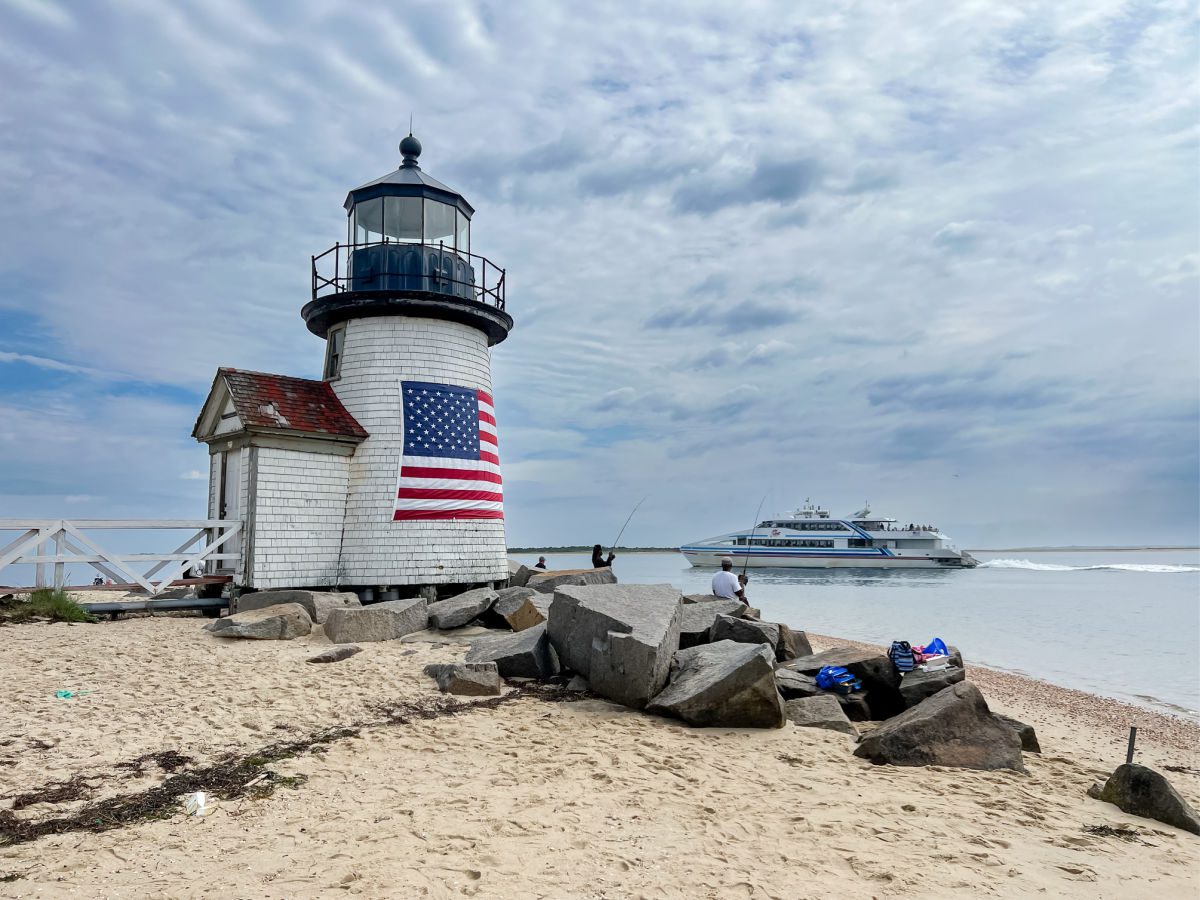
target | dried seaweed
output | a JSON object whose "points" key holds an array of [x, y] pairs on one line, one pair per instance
{"points": [[1127, 834], [168, 760], [233, 776]]}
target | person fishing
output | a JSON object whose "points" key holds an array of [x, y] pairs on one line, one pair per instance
{"points": [[598, 560], [727, 585]]}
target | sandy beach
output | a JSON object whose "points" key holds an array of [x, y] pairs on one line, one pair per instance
{"points": [[541, 799]]}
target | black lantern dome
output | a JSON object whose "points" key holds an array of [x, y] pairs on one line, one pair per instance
{"points": [[407, 252]]}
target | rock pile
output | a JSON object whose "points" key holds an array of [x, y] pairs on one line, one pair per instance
{"points": [[704, 660]]}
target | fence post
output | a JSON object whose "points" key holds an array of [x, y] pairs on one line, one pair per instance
{"points": [[39, 571], [59, 568]]}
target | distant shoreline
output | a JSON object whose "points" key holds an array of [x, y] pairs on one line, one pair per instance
{"points": [[582, 549]]}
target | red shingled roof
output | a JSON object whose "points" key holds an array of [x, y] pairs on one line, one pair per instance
{"points": [[289, 404]]}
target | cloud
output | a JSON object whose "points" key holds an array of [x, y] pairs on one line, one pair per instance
{"points": [[959, 237], [776, 181]]}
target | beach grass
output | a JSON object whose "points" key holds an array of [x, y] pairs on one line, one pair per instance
{"points": [[44, 603]]}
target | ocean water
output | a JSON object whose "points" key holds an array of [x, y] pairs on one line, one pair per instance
{"points": [[1123, 624]]}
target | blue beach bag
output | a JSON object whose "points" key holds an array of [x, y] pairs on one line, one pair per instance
{"points": [[837, 679]]}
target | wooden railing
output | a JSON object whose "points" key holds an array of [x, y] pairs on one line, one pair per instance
{"points": [[59, 542]]}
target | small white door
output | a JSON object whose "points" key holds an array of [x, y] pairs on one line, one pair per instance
{"points": [[229, 507]]}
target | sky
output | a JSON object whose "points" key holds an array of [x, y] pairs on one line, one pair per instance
{"points": [[939, 257]]}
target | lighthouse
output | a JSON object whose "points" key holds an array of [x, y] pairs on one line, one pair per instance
{"points": [[384, 474]]}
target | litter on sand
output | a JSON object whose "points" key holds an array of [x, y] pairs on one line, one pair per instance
{"points": [[199, 805]]}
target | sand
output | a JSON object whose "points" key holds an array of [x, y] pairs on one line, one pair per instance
{"points": [[536, 799]]}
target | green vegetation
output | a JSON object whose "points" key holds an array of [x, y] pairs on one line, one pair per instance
{"points": [[44, 603]]}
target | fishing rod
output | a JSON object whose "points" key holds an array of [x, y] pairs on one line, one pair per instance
{"points": [[613, 546], [746, 561]]}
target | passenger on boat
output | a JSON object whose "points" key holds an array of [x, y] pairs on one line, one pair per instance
{"points": [[598, 560], [726, 584]]}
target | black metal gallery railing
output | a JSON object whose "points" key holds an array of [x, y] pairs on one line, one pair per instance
{"points": [[394, 266]]}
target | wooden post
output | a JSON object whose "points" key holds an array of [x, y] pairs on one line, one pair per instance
{"points": [[39, 571], [1132, 741], [59, 568]]}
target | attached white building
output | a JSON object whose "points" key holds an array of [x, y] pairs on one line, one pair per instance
{"points": [[386, 473]]}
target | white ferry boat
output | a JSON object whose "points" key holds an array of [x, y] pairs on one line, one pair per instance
{"points": [[809, 538]]}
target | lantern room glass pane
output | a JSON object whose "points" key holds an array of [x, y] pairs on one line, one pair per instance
{"points": [[464, 231], [402, 219], [439, 223], [368, 221]]}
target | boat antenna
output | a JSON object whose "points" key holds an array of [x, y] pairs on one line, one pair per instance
{"points": [[613, 546], [746, 561]]}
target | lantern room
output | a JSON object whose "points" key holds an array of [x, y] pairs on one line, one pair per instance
{"points": [[408, 245]]}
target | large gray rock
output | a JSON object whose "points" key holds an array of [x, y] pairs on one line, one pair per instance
{"points": [[549, 582], [822, 711], [480, 679], [534, 611], [456, 611], [697, 620], [919, 684], [278, 622], [951, 728], [792, 644], [792, 684], [526, 654], [336, 654], [744, 631], [377, 622], [955, 657], [518, 573], [455, 637], [879, 677], [727, 684], [510, 599], [1029, 741], [619, 637], [316, 603], [1141, 791]]}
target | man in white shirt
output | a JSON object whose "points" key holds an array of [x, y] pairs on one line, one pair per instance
{"points": [[726, 584]]}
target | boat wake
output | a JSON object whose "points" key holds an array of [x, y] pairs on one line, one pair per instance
{"points": [[1054, 567]]}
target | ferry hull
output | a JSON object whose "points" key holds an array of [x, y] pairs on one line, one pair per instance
{"points": [[836, 560]]}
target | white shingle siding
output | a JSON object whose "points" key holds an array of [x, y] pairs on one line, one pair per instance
{"points": [[379, 353], [299, 507]]}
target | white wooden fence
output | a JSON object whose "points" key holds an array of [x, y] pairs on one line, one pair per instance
{"points": [[58, 542]]}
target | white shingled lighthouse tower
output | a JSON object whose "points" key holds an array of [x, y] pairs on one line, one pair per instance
{"points": [[403, 416]]}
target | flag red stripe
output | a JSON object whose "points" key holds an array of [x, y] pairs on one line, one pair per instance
{"points": [[489, 457], [409, 493], [486, 417], [486, 398], [490, 438], [471, 474], [447, 514]]}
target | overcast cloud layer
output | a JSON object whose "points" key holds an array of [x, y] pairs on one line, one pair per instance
{"points": [[938, 256]]}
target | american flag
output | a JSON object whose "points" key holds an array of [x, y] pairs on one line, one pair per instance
{"points": [[449, 468]]}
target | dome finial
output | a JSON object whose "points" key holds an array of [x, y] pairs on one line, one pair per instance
{"points": [[410, 149]]}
